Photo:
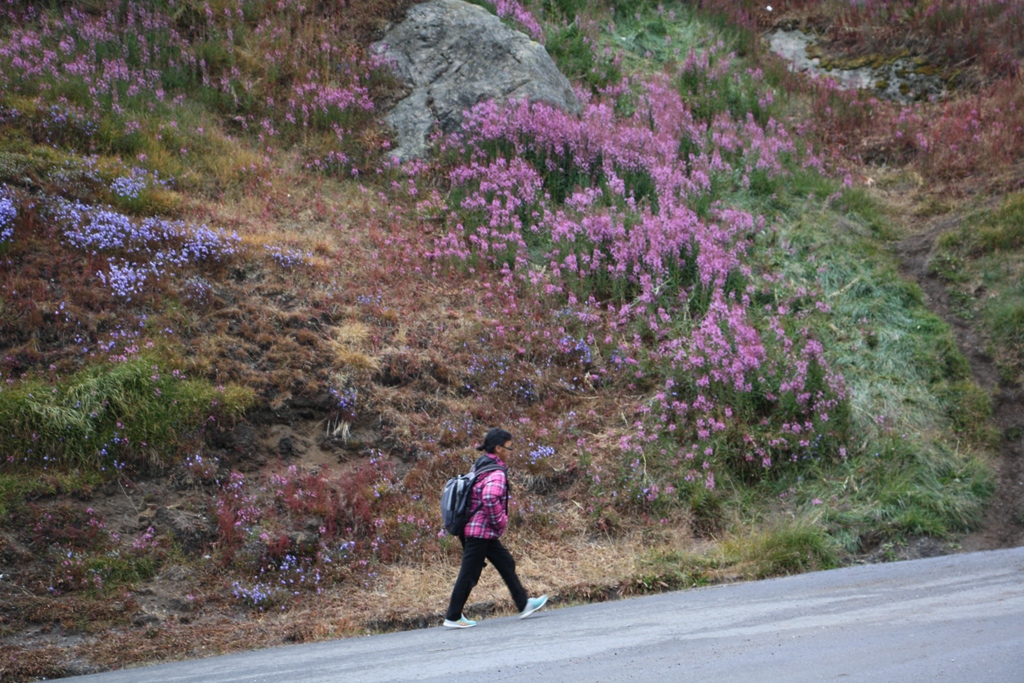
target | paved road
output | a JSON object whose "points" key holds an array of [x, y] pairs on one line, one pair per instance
{"points": [[952, 618]]}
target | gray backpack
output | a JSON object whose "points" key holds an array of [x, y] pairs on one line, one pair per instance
{"points": [[455, 512]]}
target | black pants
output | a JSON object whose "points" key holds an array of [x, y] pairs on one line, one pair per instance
{"points": [[474, 552]]}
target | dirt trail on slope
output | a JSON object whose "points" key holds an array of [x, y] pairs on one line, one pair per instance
{"points": [[1003, 526]]}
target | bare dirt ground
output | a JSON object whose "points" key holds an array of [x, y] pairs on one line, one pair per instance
{"points": [[1003, 526]]}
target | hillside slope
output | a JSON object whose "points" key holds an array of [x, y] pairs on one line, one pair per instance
{"points": [[242, 349]]}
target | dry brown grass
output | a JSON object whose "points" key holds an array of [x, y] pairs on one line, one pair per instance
{"points": [[408, 595], [566, 569], [345, 344], [32, 663], [573, 567]]}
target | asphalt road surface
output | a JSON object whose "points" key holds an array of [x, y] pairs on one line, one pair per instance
{"points": [[951, 618]]}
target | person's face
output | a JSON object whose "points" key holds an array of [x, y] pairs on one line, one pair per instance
{"points": [[503, 449]]}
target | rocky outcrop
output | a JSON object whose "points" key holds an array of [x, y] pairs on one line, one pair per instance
{"points": [[452, 55]]}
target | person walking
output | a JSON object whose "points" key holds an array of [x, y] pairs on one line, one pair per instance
{"points": [[481, 537]]}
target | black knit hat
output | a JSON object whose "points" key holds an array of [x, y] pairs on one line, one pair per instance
{"points": [[495, 437]]}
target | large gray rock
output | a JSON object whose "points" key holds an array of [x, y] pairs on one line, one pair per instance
{"points": [[452, 55]]}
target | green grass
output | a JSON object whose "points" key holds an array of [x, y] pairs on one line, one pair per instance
{"points": [[1003, 230], [912, 400], [982, 264], [856, 204], [921, 488], [1006, 317], [785, 548], [756, 551], [118, 570], [970, 409], [676, 569], [134, 412], [574, 52], [18, 486]]}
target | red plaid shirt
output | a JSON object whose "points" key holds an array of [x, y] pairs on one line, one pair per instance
{"points": [[489, 495]]}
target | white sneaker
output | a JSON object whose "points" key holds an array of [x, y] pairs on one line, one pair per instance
{"points": [[463, 622], [532, 605]]}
